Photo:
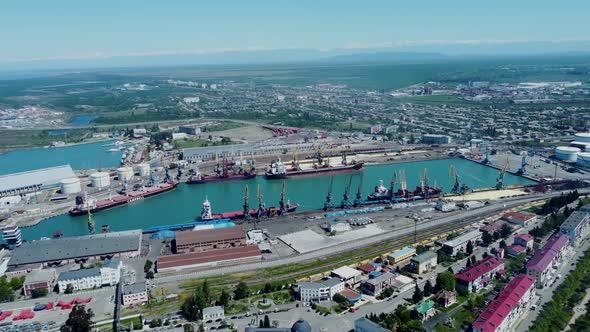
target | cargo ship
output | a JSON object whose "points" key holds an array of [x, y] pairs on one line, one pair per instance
{"points": [[284, 208], [423, 191], [84, 204], [320, 166], [240, 171]]}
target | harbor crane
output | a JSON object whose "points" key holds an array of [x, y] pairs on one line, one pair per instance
{"points": [[90, 222], [523, 164], [329, 205], [486, 159], [500, 179], [246, 205], [458, 188], [261, 206], [392, 183], [295, 162], [359, 193], [346, 197]]}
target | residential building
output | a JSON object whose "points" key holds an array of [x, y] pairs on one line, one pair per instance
{"points": [[190, 129], [507, 307], [216, 313], [576, 226], [515, 250], [479, 274], [401, 255], [227, 237], [525, 240], [376, 285], [401, 283], [366, 325], [134, 294], [425, 310], [319, 291], [39, 279], [446, 298], [551, 254], [366, 268], [139, 132], [351, 295], [107, 275], [348, 275], [452, 247], [423, 262], [519, 218]]}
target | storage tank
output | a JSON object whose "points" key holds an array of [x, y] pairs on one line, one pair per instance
{"points": [[124, 173], [100, 180], [143, 170], [582, 137], [70, 186], [583, 159], [567, 153]]}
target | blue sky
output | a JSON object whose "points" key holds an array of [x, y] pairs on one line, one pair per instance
{"points": [[58, 29]]}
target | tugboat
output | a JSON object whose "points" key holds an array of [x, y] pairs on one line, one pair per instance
{"points": [[320, 166], [222, 173]]}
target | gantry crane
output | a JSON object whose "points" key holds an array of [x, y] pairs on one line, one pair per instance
{"points": [[329, 205], [500, 179], [346, 196], [453, 174], [246, 205], [282, 203], [359, 193], [261, 206], [523, 164]]}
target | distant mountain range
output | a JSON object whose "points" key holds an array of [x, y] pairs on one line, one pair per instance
{"points": [[401, 54]]}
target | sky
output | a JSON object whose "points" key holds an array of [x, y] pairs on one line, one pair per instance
{"points": [[64, 29]]}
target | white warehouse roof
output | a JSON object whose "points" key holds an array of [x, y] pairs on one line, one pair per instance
{"points": [[346, 272], [42, 178]]}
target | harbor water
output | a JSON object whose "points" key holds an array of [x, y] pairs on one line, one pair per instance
{"points": [[81, 156], [183, 204]]}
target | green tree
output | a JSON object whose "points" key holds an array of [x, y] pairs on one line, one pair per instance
{"points": [[6, 292], [487, 239], [188, 327], [79, 320], [446, 280], [267, 288], [418, 295], [266, 322], [37, 293], [223, 299], [505, 231], [469, 248], [16, 283], [339, 298], [241, 291], [69, 289], [147, 266], [428, 288], [502, 244]]}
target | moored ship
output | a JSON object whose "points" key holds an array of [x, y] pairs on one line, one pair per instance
{"points": [[320, 166], [84, 204], [239, 171], [423, 191]]}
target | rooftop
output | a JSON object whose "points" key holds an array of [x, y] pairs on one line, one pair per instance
{"points": [[524, 236], [134, 288], [480, 268], [504, 303], [79, 274], [42, 177], [542, 259], [519, 216], [208, 235], [365, 324], [76, 247], [213, 310], [461, 239], [346, 272], [208, 256], [424, 257], [39, 276], [423, 306], [403, 251], [575, 219]]}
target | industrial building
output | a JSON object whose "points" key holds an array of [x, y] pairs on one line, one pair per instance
{"points": [[567, 153], [73, 249], [31, 181], [436, 139], [576, 225], [376, 285], [508, 306], [134, 294], [213, 313], [191, 241], [107, 275], [423, 262], [319, 291], [204, 259], [350, 276], [519, 218], [190, 129], [401, 255], [540, 265], [479, 274], [452, 247]]}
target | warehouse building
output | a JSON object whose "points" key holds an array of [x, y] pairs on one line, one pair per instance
{"points": [[436, 139], [401, 255], [75, 249], [134, 294], [39, 280], [350, 276], [227, 237], [452, 247], [210, 258], [519, 218], [31, 181]]}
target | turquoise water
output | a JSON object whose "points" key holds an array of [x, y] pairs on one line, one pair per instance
{"points": [[81, 120], [184, 204], [82, 156]]}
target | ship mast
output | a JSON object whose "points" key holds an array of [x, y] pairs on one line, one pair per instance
{"points": [[403, 183], [328, 205], [359, 193], [282, 206], [345, 198], [246, 206], [425, 178]]}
